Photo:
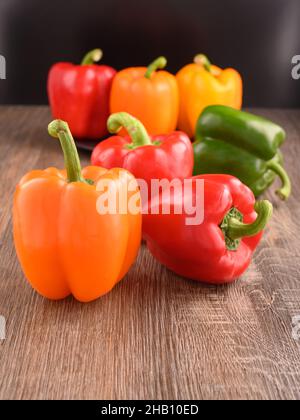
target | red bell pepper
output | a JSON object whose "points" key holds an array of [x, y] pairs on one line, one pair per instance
{"points": [[218, 250], [79, 94], [165, 156]]}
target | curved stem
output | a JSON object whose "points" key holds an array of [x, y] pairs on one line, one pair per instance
{"points": [[92, 57], [60, 130], [203, 61], [286, 188], [159, 63], [135, 128], [236, 229]]}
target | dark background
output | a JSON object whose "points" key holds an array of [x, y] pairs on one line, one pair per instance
{"points": [[257, 37]]}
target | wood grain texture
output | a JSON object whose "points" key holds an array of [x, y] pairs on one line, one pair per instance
{"points": [[156, 335]]}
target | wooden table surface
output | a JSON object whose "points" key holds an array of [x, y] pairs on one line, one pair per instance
{"points": [[156, 335]]}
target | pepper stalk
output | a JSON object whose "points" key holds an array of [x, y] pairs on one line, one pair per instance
{"points": [[286, 188], [134, 127], [203, 61], [92, 57], [60, 130], [159, 63], [234, 229]]}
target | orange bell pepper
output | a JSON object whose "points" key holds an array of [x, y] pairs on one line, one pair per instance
{"points": [[149, 95], [202, 84], [65, 246]]}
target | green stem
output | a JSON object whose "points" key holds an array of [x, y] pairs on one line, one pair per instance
{"points": [[203, 61], [92, 57], [285, 190], [236, 229], [135, 128], [159, 63], [60, 130]]}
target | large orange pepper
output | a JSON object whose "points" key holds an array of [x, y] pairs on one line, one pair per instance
{"points": [[202, 84], [149, 95], [64, 243]]}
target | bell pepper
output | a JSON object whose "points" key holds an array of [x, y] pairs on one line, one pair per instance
{"points": [[202, 84], [85, 90], [244, 145], [219, 249], [149, 95], [64, 244], [166, 156]]}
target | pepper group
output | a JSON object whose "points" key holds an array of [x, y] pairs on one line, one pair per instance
{"points": [[147, 124]]}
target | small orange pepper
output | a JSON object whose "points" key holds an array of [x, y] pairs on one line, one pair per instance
{"points": [[149, 95], [201, 84], [64, 244]]}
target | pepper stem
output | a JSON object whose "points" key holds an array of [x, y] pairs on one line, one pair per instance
{"points": [[135, 128], [92, 57], [236, 229], [203, 61], [286, 188], [60, 130], [159, 63]]}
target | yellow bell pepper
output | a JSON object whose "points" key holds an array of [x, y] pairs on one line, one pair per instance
{"points": [[202, 84]]}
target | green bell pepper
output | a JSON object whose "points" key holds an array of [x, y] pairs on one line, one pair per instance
{"points": [[244, 145]]}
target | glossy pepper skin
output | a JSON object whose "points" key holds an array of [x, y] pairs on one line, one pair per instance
{"points": [[218, 250], [149, 95], [244, 145], [147, 157], [202, 84], [65, 246], [79, 94]]}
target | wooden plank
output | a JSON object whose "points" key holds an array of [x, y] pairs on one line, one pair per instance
{"points": [[156, 335]]}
